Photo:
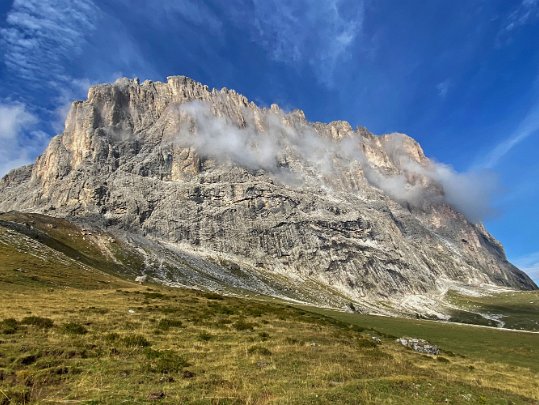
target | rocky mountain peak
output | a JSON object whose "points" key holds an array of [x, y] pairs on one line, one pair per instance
{"points": [[209, 173]]}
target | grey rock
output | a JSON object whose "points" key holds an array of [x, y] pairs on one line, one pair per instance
{"points": [[419, 345], [206, 222]]}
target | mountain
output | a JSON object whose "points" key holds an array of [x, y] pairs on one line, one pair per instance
{"points": [[212, 191]]}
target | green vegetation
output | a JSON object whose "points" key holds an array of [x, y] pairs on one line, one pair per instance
{"points": [[74, 328], [166, 323], [487, 344], [243, 351], [75, 333], [38, 321], [62, 239], [518, 310]]}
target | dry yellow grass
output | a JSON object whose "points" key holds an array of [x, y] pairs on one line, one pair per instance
{"points": [[226, 350]]}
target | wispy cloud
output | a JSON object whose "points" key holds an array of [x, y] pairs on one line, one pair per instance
{"points": [[39, 41], [529, 126], [319, 34], [194, 11], [443, 87], [529, 264], [19, 140], [525, 12], [42, 35], [14, 117]]}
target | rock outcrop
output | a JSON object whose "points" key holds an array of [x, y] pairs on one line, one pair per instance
{"points": [[210, 174], [419, 345]]}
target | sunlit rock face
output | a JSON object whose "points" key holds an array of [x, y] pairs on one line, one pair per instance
{"points": [[209, 171]]}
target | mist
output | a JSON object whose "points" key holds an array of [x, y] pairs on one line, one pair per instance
{"points": [[290, 149]]}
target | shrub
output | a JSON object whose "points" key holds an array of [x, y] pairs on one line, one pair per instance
{"points": [[166, 324], [170, 310], [264, 335], [259, 350], [367, 343], [135, 341], [154, 295], [28, 359], [241, 324], [9, 326], [223, 321], [112, 337], [165, 361], [255, 312], [213, 296], [44, 323], [221, 309], [291, 341], [204, 336], [74, 328]]}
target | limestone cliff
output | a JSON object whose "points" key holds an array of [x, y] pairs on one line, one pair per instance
{"points": [[210, 174]]}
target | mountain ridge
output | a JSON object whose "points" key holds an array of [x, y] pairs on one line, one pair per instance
{"points": [[210, 174]]}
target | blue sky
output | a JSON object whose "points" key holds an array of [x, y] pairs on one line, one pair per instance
{"points": [[460, 77]]}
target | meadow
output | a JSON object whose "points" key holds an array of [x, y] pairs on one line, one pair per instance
{"points": [[74, 330], [143, 344]]}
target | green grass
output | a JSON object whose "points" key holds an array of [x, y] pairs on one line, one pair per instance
{"points": [[279, 354], [90, 248], [73, 331], [38, 321], [520, 310], [514, 348], [27, 264]]}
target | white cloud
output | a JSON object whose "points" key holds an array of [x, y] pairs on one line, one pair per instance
{"points": [[40, 39], [522, 14], [470, 192], [19, 141], [319, 33], [529, 126], [41, 35], [525, 12], [14, 118], [443, 88], [529, 264], [270, 143], [195, 11], [161, 14]]}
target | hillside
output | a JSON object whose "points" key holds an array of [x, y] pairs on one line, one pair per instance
{"points": [[74, 329]]}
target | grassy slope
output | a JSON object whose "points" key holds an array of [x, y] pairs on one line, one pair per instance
{"points": [[114, 341], [26, 265], [520, 349], [520, 310], [200, 348], [96, 249]]}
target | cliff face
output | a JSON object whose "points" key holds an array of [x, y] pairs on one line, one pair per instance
{"points": [[212, 174]]}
